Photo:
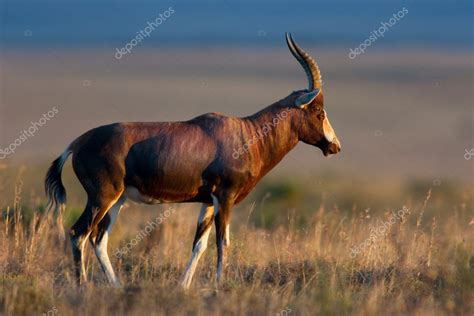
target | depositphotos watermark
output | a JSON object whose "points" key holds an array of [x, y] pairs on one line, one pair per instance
{"points": [[27, 133], [284, 312], [145, 232], [468, 154], [142, 34], [261, 133], [53, 311], [376, 233], [376, 34]]}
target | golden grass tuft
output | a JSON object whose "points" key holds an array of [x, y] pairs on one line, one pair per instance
{"points": [[295, 262]]}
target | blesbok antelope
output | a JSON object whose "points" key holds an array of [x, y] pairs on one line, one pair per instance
{"points": [[189, 161]]}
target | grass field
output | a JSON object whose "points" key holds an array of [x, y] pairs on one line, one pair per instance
{"points": [[298, 247]]}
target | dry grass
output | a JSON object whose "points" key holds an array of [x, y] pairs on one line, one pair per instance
{"points": [[297, 263]]}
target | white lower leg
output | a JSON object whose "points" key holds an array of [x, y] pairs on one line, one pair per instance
{"points": [[198, 250], [100, 247], [83, 265], [102, 255], [227, 236], [206, 214]]}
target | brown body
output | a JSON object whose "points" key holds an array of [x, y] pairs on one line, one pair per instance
{"points": [[185, 161], [212, 159]]}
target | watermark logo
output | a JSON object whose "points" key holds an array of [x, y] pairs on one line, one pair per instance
{"points": [[284, 312], [468, 154], [145, 232], [376, 34], [53, 311], [376, 233], [27, 133], [261, 133], [142, 34]]}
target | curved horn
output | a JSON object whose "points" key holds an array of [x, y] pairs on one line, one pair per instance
{"points": [[309, 64]]}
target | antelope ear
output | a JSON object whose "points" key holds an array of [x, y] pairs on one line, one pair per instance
{"points": [[307, 98]]}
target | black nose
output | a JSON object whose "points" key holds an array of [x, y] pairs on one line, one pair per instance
{"points": [[334, 148]]}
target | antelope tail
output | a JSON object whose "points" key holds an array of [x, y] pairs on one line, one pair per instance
{"points": [[55, 190]]}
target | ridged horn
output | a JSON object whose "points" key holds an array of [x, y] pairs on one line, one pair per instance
{"points": [[307, 62]]}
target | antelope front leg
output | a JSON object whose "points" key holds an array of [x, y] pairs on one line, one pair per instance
{"points": [[222, 220], [200, 242]]}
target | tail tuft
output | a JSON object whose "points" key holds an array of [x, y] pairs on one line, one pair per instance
{"points": [[56, 192], [53, 184]]}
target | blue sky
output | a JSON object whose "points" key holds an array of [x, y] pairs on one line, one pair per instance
{"points": [[435, 23]]}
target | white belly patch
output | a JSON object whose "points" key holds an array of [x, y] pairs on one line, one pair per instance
{"points": [[133, 194]]}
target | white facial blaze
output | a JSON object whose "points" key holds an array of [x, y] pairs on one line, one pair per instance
{"points": [[327, 128]]}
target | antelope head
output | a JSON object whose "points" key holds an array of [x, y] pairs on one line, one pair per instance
{"points": [[314, 127]]}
